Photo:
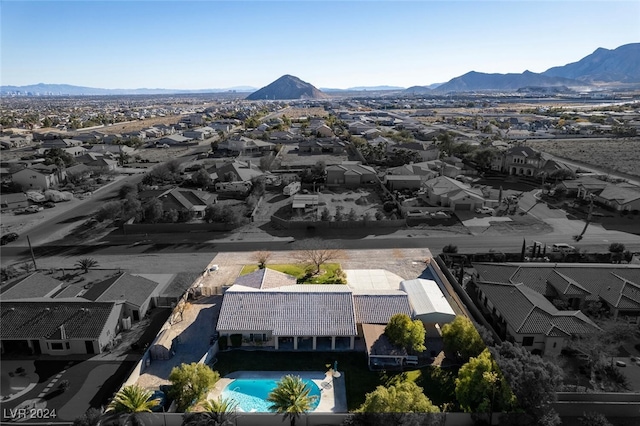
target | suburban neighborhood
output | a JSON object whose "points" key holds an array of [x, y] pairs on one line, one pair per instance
{"points": [[462, 254]]}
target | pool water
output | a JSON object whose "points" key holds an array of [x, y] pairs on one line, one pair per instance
{"points": [[251, 394]]}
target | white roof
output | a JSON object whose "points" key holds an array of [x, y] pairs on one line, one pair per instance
{"points": [[428, 301]]}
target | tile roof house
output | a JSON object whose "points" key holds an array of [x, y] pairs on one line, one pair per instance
{"points": [[244, 171], [447, 192], [350, 173], [620, 198], [244, 145], [58, 327], [518, 299], [322, 146], [519, 160], [134, 291], [288, 313], [174, 139], [33, 286], [186, 200], [269, 307]]}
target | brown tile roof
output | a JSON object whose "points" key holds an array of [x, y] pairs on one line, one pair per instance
{"points": [[42, 319], [610, 282], [379, 308], [565, 285], [134, 289], [35, 285], [528, 312]]}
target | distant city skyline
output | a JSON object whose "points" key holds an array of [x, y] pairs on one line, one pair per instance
{"points": [[330, 44]]}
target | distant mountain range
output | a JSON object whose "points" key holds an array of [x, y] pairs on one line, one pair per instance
{"points": [[602, 68], [69, 90], [619, 65]]}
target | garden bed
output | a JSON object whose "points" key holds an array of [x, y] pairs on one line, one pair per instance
{"points": [[330, 273]]}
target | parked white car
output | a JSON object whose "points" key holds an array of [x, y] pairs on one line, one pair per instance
{"points": [[486, 210], [562, 247]]}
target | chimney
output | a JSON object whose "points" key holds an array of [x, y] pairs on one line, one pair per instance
{"points": [[63, 333]]}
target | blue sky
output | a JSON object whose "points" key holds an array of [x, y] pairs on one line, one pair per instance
{"points": [[332, 44]]}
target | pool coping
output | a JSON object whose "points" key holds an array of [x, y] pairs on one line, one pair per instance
{"points": [[326, 382]]}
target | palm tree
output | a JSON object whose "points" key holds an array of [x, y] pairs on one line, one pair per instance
{"points": [[86, 264], [291, 398], [217, 412], [130, 401]]}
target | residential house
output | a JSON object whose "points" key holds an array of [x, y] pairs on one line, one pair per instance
{"points": [[268, 308], [32, 286], [350, 173], [582, 186], [182, 200], [201, 133], [39, 177], [427, 151], [59, 328], [371, 133], [446, 192], [400, 182], [358, 127], [322, 146], [174, 139], [187, 200], [78, 171], [236, 170], [244, 145], [520, 161], [134, 292], [321, 130], [75, 151], [619, 197], [530, 288], [60, 143], [16, 141]]}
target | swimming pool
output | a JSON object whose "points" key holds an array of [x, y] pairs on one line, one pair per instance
{"points": [[251, 394]]}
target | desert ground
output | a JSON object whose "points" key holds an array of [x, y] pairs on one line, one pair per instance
{"points": [[610, 155]]}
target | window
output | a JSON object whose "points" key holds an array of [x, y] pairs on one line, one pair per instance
{"points": [[67, 345], [527, 341], [56, 346]]}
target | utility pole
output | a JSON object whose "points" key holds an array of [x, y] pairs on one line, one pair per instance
{"points": [[35, 267]]}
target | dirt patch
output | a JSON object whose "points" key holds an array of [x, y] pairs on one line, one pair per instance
{"points": [[619, 155], [134, 126], [360, 200], [295, 113], [157, 155]]}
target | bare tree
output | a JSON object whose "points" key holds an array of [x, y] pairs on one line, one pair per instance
{"points": [[317, 252], [262, 257]]}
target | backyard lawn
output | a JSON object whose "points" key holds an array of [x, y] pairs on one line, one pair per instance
{"points": [[359, 380], [330, 273]]}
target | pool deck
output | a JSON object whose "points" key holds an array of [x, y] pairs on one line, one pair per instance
{"points": [[333, 393]]}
